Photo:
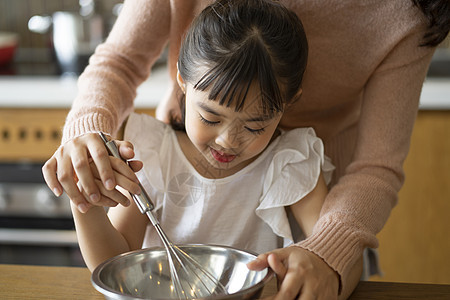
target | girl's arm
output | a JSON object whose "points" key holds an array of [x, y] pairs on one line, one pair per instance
{"points": [[102, 236], [307, 210]]}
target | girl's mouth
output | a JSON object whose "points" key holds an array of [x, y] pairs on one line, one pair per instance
{"points": [[221, 156]]}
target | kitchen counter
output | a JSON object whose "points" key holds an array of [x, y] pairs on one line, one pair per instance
{"points": [[59, 92], [40, 282]]}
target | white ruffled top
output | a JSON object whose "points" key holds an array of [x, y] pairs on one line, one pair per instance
{"points": [[245, 210]]}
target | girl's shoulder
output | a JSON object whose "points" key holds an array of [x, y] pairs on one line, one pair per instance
{"points": [[300, 149], [145, 129], [300, 139]]}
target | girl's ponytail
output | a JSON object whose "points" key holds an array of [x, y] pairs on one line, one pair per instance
{"points": [[437, 13]]}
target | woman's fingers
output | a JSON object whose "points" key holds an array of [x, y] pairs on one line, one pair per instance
{"points": [[112, 198], [49, 173], [108, 198], [67, 178], [124, 175], [135, 165], [80, 162], [100, 156], [126, 149], [104, 200], [60, 179], [71, 162], [122, 180], [120, 167], [104, 166], [84, 170], [317, 279], [291, 287], [277, 266], [84, 150], [259, 263]]}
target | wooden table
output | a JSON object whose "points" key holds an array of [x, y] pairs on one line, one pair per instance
{"points": [[37, 282]]}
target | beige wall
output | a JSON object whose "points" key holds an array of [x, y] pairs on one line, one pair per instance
{"points": [[415, 243]]}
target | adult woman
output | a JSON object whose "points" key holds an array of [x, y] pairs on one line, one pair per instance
{"points": [[360, 93]]}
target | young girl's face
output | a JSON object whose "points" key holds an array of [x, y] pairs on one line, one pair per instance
{"points": [[227, 139]]}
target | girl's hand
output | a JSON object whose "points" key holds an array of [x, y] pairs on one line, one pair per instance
{"points": [[83, 169], [301, 274]]}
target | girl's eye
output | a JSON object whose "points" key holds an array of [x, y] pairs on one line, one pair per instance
{"points": [[207, 122], [256, 131]]}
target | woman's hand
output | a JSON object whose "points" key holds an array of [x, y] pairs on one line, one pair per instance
{"points": [[169, 107], [84, 170], [301, 274]]}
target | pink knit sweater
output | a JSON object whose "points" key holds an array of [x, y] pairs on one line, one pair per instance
{"points": [[360, 93]]}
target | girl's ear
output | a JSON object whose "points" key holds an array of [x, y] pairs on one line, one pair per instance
{"points": [[297, 97], [181, 82]]}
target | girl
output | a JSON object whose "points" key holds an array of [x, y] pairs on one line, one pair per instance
{"points": [[228, 175]]}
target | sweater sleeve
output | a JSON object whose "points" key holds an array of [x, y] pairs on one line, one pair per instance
{"points": [[107, 87], [358, 206]]}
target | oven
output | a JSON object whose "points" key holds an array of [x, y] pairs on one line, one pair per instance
{"points": [[36, 228]]}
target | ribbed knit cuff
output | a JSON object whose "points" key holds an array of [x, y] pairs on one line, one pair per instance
{"points": [[93, 122], [338, 244]]}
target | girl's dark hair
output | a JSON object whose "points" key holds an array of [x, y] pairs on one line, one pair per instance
{"points": [[437, 13], [233, 43]]}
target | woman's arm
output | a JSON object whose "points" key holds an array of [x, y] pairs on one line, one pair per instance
{"points": [[107, 87], [106, 91], [358, 206]]}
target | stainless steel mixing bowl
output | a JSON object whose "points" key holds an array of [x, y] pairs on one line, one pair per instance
{"points": [[144, 274]]}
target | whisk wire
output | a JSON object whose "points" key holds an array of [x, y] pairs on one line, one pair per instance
{"points": [[173, 272], [209, 285], [216, 288]]}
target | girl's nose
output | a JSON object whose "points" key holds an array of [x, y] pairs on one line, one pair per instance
{"points": [[229, 138]]}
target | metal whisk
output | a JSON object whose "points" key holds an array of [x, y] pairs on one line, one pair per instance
{"points": [[190, 280]]}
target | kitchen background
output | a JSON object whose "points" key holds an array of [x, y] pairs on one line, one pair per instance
{"points": [[38, 24], [36, 90], [14, 16]]}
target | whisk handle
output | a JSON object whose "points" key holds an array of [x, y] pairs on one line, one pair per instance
{"points": [[142, 200]]}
